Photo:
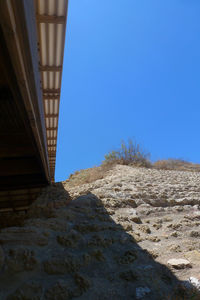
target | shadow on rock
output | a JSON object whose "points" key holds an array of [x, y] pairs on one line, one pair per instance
{"points": [[73, 249]]}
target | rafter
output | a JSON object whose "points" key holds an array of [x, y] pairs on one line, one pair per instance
{"points": [[51, 68], [51, 91], [51, 19]]}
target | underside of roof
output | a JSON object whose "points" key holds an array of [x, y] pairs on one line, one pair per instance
{"points": [[51, 18], [32, 34]]}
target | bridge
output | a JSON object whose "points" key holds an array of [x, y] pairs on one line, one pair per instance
{"points": [[32, 37]]}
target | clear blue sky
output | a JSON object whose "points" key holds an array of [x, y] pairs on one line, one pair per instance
{"points": [[131, 69]]}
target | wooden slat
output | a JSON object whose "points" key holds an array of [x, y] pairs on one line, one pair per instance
{"points": [[51, 115], [51, 19], [51, 91], [52, 128], [51, 97], [52, 139], [51, 68]]}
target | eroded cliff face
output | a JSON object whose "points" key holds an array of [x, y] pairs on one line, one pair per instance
{"points": [[131, 235]]}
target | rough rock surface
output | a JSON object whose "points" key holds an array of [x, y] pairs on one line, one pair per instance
{"points": [[110, 239]]}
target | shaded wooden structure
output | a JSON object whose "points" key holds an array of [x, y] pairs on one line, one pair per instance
{"points": [[32, 35]]}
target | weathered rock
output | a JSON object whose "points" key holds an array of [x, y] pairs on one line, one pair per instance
{"points": [[88, 200], [64, 241], [193, 257], [179, 263], [127, 258], [61, 290], [144, 228], [141, 292], [129, 276], [23, 236], [69, 239], [31, 290], [82, 281], [20, 259], [61, 265], [195, 233]]}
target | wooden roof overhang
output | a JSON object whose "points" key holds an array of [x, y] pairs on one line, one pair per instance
{"points": [[27, 140], [51, 18]]}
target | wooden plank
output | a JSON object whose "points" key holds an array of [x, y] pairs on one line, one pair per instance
{"points": [[51, 91], [51, 115], [51, 19], [51, 68], [52, 128], [51, 97], [52, 139]]}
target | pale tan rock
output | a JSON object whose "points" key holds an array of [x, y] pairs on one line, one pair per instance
{"points": [[179, 263], [193, 257], [144, 228]]}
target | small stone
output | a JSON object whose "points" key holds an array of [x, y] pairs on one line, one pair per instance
{"points": [[127, 226], [179, 263], [153, 253], [195, 233], [144, 228], [174, 234], [157, 226], [174, 248], [153, 239]]}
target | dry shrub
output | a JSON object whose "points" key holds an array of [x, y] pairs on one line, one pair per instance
{"points": [[88, 175], [176, 164], [129, 154]]}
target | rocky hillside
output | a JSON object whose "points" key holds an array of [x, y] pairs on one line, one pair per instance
{"points": [[133, 234]]}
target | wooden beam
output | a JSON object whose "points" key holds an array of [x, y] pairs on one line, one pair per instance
{"points": [[50, 68], [52, 139], [51, 115], [52, 128], [51, 97], [51, 19], [51, 91]]}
